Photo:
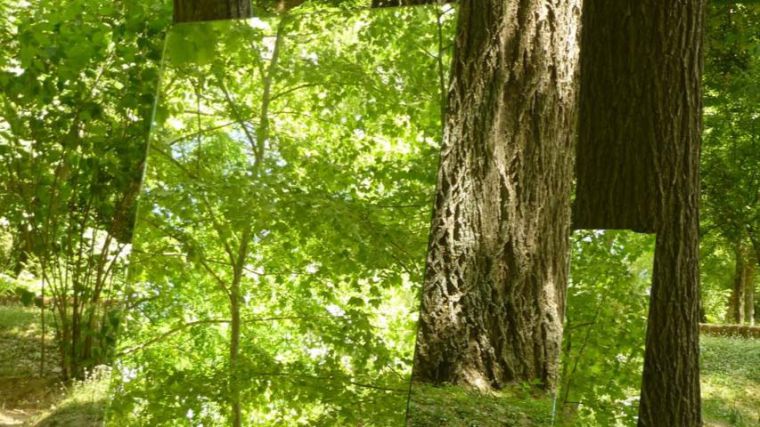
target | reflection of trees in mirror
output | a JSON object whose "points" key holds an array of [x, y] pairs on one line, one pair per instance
{"points": [[730, 159], [283, 222], [602, 348], [76, 81], [605, 394], [70, 157], [494, 292], [603, 340]]}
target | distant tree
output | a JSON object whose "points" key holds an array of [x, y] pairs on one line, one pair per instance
{"points": [[731, 150], [741, 304]]}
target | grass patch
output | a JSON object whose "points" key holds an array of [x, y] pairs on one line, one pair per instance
{"points": [[46, 402], [20, 334], [730, 388], [730, 395], [28, 398], [18, 320], [83, 403], [731, 381], [458, 407]]}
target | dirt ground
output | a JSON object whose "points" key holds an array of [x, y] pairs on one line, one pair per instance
{"points": [[24, 394], [25, 398]]}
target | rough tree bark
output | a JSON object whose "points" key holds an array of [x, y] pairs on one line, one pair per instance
{"points": [[640, 125], [615, 188], [208, 10], [494, 289], [670, 392]]}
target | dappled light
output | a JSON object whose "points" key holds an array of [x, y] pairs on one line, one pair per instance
{"points": [[356, 213], [280, 238]]}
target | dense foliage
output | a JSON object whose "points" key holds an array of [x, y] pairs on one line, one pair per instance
{"points": [[730, 155], [603, 342], [289, 182], [288, 191], [72, 144]]}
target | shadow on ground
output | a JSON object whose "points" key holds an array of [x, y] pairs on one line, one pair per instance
{"points": [[81, 414]]}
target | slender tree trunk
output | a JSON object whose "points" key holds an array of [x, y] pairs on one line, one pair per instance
{"points": [[208, 10], [258, 144], [638, 159], [749, 305], [494, 290], [755, 244], [20, 251], [235, 348], [749, 292], [736, 302]]}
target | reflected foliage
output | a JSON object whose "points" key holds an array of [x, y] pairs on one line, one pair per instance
{"points": [[603, 342], [71, 144], [332, 185], [289, 183], [730, 153]]}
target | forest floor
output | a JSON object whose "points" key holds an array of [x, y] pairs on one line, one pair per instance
{"points": [[730, 381], [730, 388], [730, 395], [30, 399]]}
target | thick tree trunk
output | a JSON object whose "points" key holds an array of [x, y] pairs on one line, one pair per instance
{"points": [[209, 10], [494, 291], [670, 392], [638, 159], [615, 188]]}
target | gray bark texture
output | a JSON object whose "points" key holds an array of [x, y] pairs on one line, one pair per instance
{"points": [[494, 289], [209, 10]]}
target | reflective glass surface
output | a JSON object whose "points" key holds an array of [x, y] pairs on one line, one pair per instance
{"points": [[282, 227]]}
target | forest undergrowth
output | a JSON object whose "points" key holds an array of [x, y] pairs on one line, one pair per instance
{"points": [[730, 388], [30, 399], [730, 396]]}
